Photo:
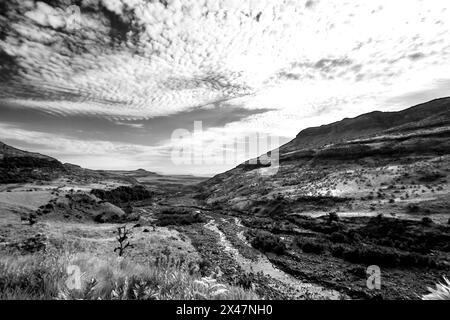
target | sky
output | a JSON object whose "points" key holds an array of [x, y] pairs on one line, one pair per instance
{"points": [[108, 84]]}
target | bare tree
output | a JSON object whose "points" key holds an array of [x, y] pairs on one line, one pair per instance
{"points": [[123, 234]]}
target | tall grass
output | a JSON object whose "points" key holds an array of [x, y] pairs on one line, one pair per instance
{"points": [[44, 276], [30, 277], [442, 291]]}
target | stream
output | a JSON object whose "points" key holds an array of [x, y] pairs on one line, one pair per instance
{"points": [[297, 288]]}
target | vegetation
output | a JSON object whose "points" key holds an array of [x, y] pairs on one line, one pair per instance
{"points": [[123, 195], [24, 169], [267, 242], [44, 276], [178, 217], [310, 246], [442, 291], [123, 234], [382, 256]]}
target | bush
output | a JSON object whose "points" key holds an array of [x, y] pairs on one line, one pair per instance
{"points": [[333, 216], [122, 195], [176, 217], [310, 245], [413, 208], [371, 255], [268, 242], [339, 237], [358, 271], [382, 256]]}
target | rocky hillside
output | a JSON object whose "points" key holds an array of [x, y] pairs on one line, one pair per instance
{"points": [[18, 166], [406, 150], [435, 113], [22, 166]]}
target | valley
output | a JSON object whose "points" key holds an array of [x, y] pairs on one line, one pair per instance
{"points": [[345, 196]]}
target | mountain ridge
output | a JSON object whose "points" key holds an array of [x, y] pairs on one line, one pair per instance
{"points": [[372, 122]]}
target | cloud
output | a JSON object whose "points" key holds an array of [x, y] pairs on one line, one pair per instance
{"points": [[96, 154]]}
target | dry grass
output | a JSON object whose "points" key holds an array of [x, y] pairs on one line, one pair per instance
{"points": [[44, 276], [442, 291]]}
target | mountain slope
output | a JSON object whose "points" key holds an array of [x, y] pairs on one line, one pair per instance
{"points": [[21, 166], [432, 113], [353, 157]]}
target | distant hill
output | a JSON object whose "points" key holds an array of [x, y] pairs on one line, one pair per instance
{"points": [[21, 166], [18, 166]]}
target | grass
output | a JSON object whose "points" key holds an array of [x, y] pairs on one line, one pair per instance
{"points": [[44, 276], [442, 291], [30, 277]]}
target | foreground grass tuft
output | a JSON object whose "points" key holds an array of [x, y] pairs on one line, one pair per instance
{"points": [[442, 291], [44, 276]]}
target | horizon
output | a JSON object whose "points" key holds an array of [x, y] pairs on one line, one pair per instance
{"points": [[203, 175], [105, 85]]}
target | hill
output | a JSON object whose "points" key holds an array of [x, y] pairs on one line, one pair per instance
{"points": [[21, 166], [359, 156]]}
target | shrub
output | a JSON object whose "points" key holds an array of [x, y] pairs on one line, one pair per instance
{"points": [[337, 251], [358, 271], [178, 217], [333, 216], [339, 237], [268, 242], [310, 245], [431, 176], [413, 208], [426, 221], [382, 256], [372, 255], [123, 195]]}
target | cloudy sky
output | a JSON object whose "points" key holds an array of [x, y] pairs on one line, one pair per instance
{"points": [[104, 83]]}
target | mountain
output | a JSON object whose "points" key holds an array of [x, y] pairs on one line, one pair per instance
{"points": [[21, 166], [18, 166], [345, 157], [426, 115]]}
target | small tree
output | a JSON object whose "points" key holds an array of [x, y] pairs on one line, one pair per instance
{"points": [[32, 218], [123, 234], [333, 216]]}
